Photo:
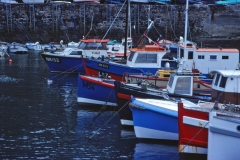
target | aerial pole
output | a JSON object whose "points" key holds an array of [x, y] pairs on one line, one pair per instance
{"points": [[126, 29]]}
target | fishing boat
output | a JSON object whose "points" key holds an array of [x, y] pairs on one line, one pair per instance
{"points": [[181, 84], [223, 133], [70, 59], [73, 44], [194, 121], [160, 118], [160, 78], [142, 59], [17, 48], [34, 46], [150, 58], [96, 90], [117, 50]]}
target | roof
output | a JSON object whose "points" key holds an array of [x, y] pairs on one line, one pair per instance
{"points": [[228, 73], [153, 48]]}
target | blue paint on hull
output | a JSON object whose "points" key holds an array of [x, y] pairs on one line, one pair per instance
{"points": [[64, 64], [95, 93]]}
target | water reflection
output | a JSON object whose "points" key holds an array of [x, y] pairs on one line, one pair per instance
{"points": [[44, 121], [154, 151]]}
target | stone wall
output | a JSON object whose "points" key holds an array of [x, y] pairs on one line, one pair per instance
{"points": [[209, 25]]}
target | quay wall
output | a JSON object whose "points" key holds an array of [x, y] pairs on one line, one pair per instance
{"points": [[208, 25]]}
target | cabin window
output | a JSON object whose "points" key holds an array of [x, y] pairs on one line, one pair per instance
{"points": [[146, 58], [115, 48], [170, 81], [181, 53], [183, 85], [130, 57], [223, 82], [200, 56], [82, 45], [190, 55], [94, 45], [217, 79], [76, 53], [224, 57], [213, 57]]}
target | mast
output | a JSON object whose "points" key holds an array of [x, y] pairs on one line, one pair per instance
{"points": [[126, 30], [185, 29]]}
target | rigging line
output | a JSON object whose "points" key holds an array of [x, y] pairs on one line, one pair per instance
{"points": [[25, 30], [66, 72], [171, 26], [109, 120], [103, 108], [190, 140], [112, 23]]}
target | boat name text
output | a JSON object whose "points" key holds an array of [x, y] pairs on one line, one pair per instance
{"points": [[88, 85], [51, 59], [103, 65]]}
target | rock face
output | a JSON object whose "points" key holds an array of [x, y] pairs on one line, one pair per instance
{"points": [[208, 25]]}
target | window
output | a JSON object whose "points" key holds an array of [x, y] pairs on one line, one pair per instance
{"points": [[76, 53], [190, 55], [170, 81], [213, 57], [181, 53], [216, 79], [223, 82], [183, 85], [224, 57], [82, 45], [130, 57], [200, 56], [94, 45], [146, 58]]}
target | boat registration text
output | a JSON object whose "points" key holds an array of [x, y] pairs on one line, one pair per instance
{"points": [[103, 65]]}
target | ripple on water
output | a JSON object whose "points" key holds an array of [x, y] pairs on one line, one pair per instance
{"points": [[6, 79]]}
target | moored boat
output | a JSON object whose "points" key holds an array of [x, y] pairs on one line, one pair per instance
{"points": [[70, 59], [180, 85], [194, 122], [95, 90]]}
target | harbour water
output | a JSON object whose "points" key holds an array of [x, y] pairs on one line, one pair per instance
{"points": [[40, 118]]}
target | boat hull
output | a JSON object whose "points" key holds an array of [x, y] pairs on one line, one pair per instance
{"points": [[94, 90], [58, 63], [123, 95], [223, 134], [113, 69], [193, 130], [147, 128]]}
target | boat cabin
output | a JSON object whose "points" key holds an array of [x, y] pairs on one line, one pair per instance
{"points": [[225, 86], [89, 48], [181, 83], [208, 59], [148, 57]]}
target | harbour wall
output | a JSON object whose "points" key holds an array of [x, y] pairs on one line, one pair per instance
{"points": [[208, 25]]}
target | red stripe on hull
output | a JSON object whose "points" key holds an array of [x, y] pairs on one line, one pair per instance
{"points": [[94, 81], [124, 96], [93, 72]]}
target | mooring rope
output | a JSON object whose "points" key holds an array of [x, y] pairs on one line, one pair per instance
{"points": [[102, 108], [108, 120]]}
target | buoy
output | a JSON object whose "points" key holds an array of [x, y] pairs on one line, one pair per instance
{"points": [[10, 60]]}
